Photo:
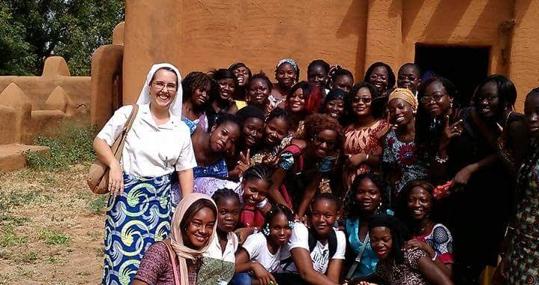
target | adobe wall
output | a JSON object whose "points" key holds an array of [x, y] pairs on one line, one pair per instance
{"points": [[35, 105], [355, 33], [207, 34]]}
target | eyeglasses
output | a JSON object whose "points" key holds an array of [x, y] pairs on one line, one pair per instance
{"points": [[162, 85], [428, 99], [319, 141], [365, 100]]}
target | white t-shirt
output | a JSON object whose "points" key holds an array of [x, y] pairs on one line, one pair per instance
{"points": [[320, 254], [257, 248], [215, 250], [150, 150]]}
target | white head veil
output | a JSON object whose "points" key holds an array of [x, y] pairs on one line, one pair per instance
{"points": [[144, 98]]}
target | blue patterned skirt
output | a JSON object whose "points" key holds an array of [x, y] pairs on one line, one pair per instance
{"points": [[135, 220]]}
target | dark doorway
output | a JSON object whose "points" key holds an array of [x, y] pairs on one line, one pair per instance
{"points": [[466, 67]]}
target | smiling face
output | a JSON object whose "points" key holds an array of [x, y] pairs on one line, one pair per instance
{"points": [[276, 130], [368, 196], [324, 143], [408, 77], [436, 101], [227, 87], [224, 137], [317, 75], [296, 101], [487, 102], [163, 89], [228, 214], [199, 230], [343, 82], [285, 75], [334, 108], [252, 131], [419, 203], [323, 216], [400, 112], [381, 241], [379, 78], [531, 109], [201, 95], [361, 102], [255, 190], [258, 92], [280, 230], [242, 74]]}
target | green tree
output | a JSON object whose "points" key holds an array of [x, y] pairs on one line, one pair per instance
{"points": [[72, 29]]}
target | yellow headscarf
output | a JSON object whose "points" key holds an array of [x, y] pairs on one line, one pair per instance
{"points": [[404, 94], [183, 252]]}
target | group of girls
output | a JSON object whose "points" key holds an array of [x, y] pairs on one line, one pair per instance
{"points": [[323, 181]]}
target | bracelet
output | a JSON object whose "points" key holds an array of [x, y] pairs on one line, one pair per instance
{"points": [[435, 256], [440, 160], [262, 203]]}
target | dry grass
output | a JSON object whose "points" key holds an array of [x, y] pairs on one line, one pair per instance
{"points": [[51, 228]]}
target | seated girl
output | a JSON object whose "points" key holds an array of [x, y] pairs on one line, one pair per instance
{"points": [[259, 255], [396, 265], [416, 209], [316, 255], [177, 260], [306, 166], [219, 259], [211, 147], [365, 199]]}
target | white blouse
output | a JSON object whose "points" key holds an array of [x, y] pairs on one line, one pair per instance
{"points": [[150, 150]]}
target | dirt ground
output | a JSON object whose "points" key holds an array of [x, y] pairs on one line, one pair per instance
{"points": [[51, 228]]}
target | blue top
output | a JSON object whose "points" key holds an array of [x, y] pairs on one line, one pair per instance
{"points": [[218, 169], [367, 265]]}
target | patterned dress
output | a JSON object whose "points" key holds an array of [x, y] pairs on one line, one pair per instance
{"points": [[406, 273], [401, 162], [524, 255], [366, 140], [441, 241]]}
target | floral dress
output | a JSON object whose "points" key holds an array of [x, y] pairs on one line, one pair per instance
{"points": [[401, 162], [366, 140], [406, 273], [524, 254]]}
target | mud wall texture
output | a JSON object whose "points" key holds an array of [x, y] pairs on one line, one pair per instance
{"points": [[200, 35], [35, 105]]}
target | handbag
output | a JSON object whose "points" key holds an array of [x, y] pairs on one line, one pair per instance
{"points": [[98, 175], [357, 260]]}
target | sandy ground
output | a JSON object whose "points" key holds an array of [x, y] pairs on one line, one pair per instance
{"points": [[51, 228]]}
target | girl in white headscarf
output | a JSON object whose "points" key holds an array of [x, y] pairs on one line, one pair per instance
{"points": [[177, 260], [157, 148]]}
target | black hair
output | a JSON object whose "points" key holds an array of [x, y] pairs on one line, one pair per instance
{"points": [[338, 72], [312, 95], [413, 65], [250, 112], [399, 233], [223, 194], [390, 74], [261, 75], [402, 211], [277, 209], [278, 113], [195, 80], [258, 171], [237, 65], [193, 209], [351, 206], [428, 129], [328, 197], [349, 113], [507, 93], [167, 69], [318, 62], [335, 94], [226, 117], [316, 123]]}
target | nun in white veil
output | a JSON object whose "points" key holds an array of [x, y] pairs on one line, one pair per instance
{"points": [[157, 150]]}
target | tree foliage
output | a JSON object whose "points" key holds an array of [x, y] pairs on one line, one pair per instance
{"points": [[32, 30]]}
